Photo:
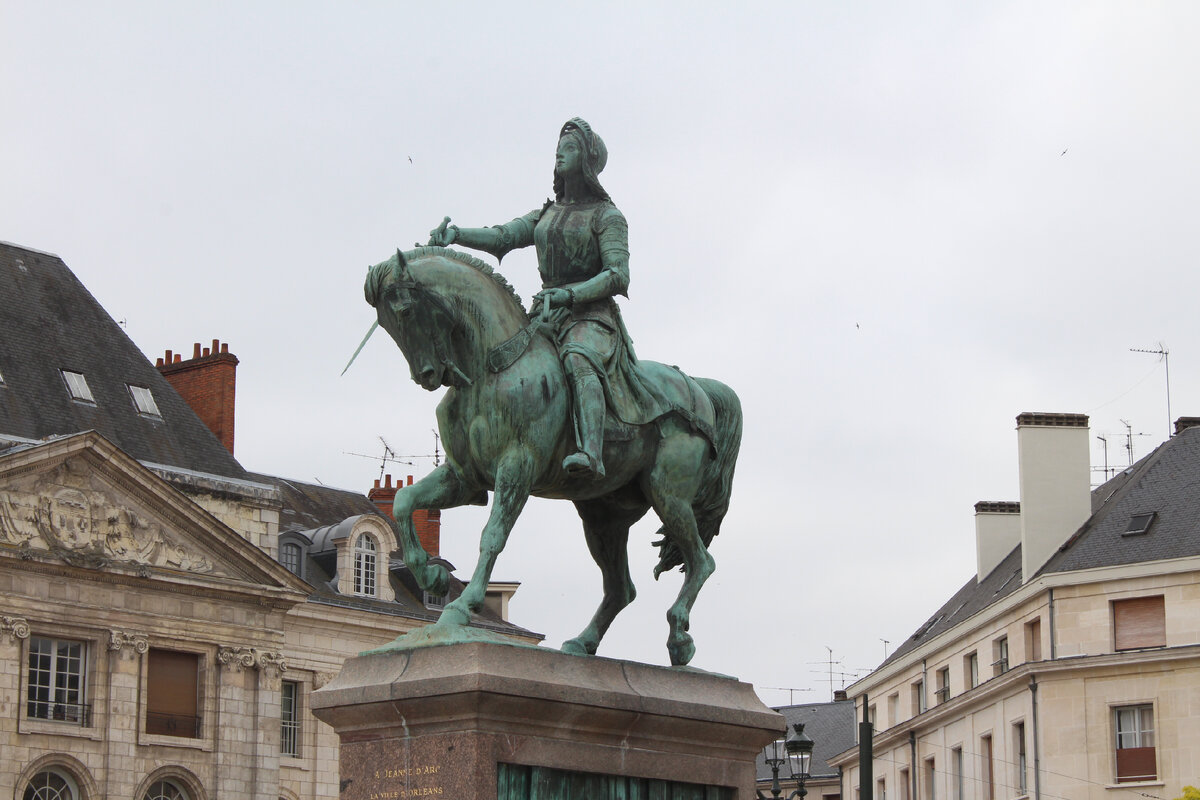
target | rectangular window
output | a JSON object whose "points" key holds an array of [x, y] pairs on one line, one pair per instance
{"points": [[289, 715], [918, 697], [172, 694], [1019, 763], [881, 789], [1139, 622], [971, 669], [871, 717], [143, 401], [943, 684], [930, 782], [1000, 656], [956, 774], [986, 775], [905, 785], [1033, 640], [55, 682], [1134, 727], [894, 708], [77, 386]]}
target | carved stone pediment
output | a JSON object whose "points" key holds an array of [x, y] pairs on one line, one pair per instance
{"points": [[75, 514]]}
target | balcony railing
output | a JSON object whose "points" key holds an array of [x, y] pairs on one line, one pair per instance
{"points": [[75, 713], [163, 724]]}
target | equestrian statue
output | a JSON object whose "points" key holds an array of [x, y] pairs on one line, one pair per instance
{"points": [[553, 402]]}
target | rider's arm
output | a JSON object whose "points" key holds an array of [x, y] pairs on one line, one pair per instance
{"points": [[612, 233], [500, 239]]}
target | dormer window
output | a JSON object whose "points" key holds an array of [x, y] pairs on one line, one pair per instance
{"points": [[143, 401], [364, 566], [290, 556], [77, 385]]}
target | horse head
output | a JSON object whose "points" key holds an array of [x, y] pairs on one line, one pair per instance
{"points": [[423, 323]]}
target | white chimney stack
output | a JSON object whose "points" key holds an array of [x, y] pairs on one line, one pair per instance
{"points": [[1055, 477], [997, 532]]}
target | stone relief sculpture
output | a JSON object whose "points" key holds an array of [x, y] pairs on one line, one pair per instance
{"points": [[69, 515], [554, 402]]}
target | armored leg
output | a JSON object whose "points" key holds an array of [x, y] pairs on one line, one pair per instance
{"points": [[588, 396]]}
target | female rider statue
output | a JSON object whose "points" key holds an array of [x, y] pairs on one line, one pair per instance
{"points": [[582, 243]]}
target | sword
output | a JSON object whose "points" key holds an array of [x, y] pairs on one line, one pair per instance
{"points": [[371, 330]]}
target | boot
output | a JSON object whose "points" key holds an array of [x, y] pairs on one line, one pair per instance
{"points": [[589, 428]]}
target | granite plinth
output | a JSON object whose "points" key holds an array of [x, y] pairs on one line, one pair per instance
{"points": [[436, 721]]}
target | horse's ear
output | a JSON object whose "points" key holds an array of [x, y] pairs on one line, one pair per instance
{"points": [[400, 262]]}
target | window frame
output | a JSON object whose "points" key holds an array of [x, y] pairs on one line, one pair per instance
{"points": [[79, 391], [1140, 734], [80, 692], [366, 566], [942, 676], [919, 701], [153, 411], [290, 726], [1140, 639], [1020, 760], [1000, 651], [971, 669]]}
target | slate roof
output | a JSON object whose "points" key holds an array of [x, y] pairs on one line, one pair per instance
{"points": [[1167, 482], [50, 322], [829, 725]]}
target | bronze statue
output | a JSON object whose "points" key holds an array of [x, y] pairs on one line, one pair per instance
{"points": [[645, 435]]}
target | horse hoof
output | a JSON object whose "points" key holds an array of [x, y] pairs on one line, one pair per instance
{"points": [[576, 647], [682, 650], [435, 579]]}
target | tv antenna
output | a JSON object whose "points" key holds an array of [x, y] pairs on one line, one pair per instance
{"points": [[791, 690], [1129, 434], [1164, 356], [389, 455]]}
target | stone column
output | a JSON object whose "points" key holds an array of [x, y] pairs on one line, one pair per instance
{"points": [[453, 720], [247, 751], [121, 713]]}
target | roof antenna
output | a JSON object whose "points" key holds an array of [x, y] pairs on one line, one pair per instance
{"points": [[1163, 353]]}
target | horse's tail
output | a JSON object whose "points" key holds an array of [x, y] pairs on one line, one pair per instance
{"points": [[712, 501]]}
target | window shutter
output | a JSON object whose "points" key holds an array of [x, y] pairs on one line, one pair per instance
{"points": [[1140, 622]]}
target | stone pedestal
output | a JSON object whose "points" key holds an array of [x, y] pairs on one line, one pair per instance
{"points": [[444, 721]]}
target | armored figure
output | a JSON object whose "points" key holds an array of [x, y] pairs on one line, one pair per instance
{"points": [[582, 243]]}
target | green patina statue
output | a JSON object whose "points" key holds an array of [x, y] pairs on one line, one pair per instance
{"points": [[554, 402]]}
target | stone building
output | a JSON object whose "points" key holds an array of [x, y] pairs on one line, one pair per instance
{"points": [[164, 613], [1068, 666]]}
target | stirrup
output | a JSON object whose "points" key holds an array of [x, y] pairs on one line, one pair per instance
{"points": [[581, 464]]}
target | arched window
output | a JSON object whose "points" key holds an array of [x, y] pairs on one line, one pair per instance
{"points": [[165, 790], [364, 566], [51, 784], [290, 555]]}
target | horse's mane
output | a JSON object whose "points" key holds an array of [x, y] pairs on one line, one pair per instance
{"points": [[470, 261]]}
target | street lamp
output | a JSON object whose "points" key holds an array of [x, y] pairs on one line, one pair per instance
{"points": [[796, 750]]}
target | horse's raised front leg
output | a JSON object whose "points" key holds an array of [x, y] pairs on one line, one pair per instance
{"points": [[514, 476], [671, 486], [442, 488], [606, 528]]}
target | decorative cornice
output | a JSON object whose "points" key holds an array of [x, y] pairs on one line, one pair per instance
{"points": [[15, 627], [137, 642]]}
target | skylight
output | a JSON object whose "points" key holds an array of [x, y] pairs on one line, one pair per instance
{"points": [[143, 401], [1, 378], [77, 385], [1140, 523]]}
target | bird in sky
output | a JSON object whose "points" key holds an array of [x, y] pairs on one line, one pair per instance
{"points": [[1063, 153]]}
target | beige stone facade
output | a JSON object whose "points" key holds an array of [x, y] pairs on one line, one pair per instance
{"points": [[1079, 682], [106, 564]]}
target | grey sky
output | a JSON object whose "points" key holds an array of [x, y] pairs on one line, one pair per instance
{"points": [[860, 216]]}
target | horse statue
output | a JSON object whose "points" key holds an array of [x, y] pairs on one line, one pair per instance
{"points": [[506, 425]]}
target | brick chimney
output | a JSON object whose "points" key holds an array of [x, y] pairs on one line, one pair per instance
{"points": [[206, 381], [426, 521], [1183, 423], [997, 532], [1055, 478]]}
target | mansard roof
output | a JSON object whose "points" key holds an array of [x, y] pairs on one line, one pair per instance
{"points": [[829, 725], [1163, 483], [49, 322]]}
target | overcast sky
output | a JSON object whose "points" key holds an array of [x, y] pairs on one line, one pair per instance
{"points": [[890, 227]]}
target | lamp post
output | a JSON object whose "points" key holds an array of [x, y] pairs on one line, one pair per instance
{"points": [[796, 750]]}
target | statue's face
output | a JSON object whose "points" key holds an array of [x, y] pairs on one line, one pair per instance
{"points": [[568, 159]]}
